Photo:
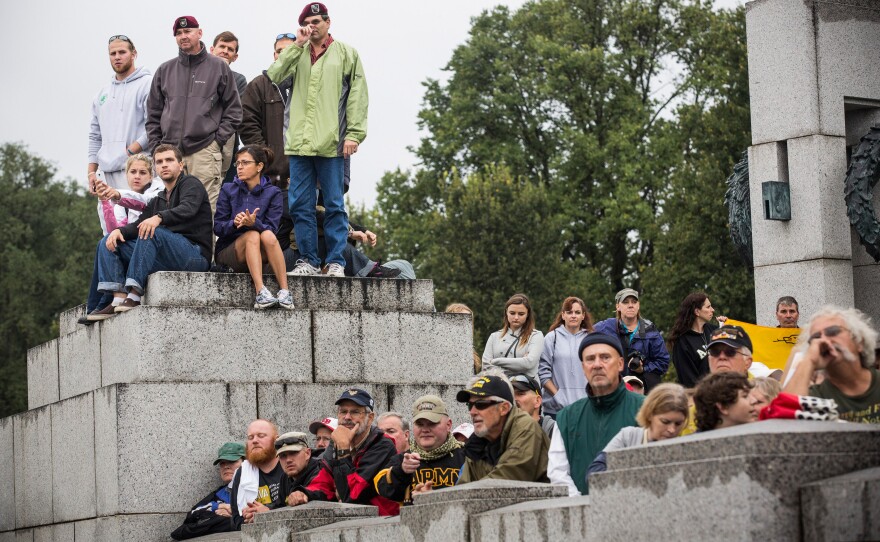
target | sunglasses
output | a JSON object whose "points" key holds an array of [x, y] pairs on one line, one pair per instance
{"points": [[290, 440], [830, 331], [482, 404], [729, 352], [288, 36], [122, 37]]}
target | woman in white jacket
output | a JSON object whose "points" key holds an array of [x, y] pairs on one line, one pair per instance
{"points": [[516, 347]]}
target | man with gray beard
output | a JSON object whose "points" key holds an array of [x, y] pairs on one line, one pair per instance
{"points": [[257, 483], [350, 463]]}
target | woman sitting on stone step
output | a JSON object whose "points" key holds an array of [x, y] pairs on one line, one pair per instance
{"points": [[517, 346], [248, 213]]}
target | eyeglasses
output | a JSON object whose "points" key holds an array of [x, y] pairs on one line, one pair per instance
{"points": [[313, 22], [717, 351], [287, 35], [830, 331], [483, 404], [122, 37], [290, 440], [343, 412], [243, 163]]}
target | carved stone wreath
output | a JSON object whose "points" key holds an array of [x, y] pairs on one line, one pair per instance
{"points": [[858, 191], [739, 209]]}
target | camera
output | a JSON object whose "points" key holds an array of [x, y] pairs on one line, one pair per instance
{"points": [[635, 360]]}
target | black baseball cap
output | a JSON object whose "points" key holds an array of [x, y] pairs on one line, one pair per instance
{"points": [[486, 386], [524, 382], [734, 336]]}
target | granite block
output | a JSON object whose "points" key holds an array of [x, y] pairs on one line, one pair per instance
{"points": [[24, 535], [7, 474], [739, 482], [278, 525], [292, 407], [7, 536], [378, 529], [175, 289], [556, 520], [207, 345], [445, 514], [813, 283], [401, 399], [62, 532], [392, 347], [106, 456], [842, 508], [32, 447], [42, 374], [67, 319], [79, 361], [137, 527], [74, 493], [85, 530]]}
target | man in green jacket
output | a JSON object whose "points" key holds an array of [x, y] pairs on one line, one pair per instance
{"points": [[506, 444], [328, 121], [585, 427]]}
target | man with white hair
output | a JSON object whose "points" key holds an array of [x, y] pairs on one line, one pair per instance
{"points": [[841, 342], [507, 444]]}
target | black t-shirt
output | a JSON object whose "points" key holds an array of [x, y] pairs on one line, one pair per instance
{"points": [[690, 355], [268, 493]]}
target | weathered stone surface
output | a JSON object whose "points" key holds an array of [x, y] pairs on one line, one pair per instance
{"points": [[85, 530], [845, 507], [106, 456], [8, 536], [739, 482], [24, 535], [556, 520], [278, 525], [866, 281], [42, 374], [79, 361], [402, 397], [391, 347], [294, 406], [7, 475], [234, 536], [32, 446], [182, 344], [813, 283], [378, 529], [136, 527], [73, 459], [236, 290], [445, 514], [62, 532], [67, 319]]}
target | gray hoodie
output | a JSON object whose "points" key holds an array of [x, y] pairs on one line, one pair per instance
{"points": [[560, 362], [119, 114]]}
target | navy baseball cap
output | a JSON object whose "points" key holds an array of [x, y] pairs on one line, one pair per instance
{"points": [[358, 396]]}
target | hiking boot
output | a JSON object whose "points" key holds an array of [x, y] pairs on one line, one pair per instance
{"points": [[334, 270], [285, 300], [265, 299], [98, 315], [127, 305], [303, 269], [382, 272]]}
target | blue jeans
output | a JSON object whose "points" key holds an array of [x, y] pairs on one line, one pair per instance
{"points": [[96, 299], [127, 268], [305, 172]]}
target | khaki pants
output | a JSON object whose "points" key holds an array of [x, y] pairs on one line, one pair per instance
{"points": [[206, 165]]}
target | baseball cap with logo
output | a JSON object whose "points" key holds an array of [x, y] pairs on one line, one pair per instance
{"points": [[623, 294], [465, 430], [486, 386], [230, 451], [291, 442], [429, 407], [187, 21], [734, 336], [358, 396], [314, 8], [329, 423]]}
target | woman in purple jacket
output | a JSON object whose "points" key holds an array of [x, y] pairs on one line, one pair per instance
{"points": [[248, 213]]}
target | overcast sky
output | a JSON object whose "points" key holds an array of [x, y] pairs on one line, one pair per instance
{"points": [[55, 62]]}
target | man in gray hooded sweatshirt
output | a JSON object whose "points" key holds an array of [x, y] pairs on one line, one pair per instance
{"points": [[119, 114]]}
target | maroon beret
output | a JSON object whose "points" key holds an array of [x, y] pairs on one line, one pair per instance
{"points": [[187, 21], [315, 8]]}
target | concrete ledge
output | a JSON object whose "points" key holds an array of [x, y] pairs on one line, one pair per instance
{"points": [[79, 361], [556, 520], [67, 319], [278, 525], [842, 508], [176, 289], [379, 529], [42, 374]]}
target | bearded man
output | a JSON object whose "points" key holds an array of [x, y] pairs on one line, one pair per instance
{"points": [[256, 486]]}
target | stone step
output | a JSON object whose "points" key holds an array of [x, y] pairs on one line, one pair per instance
{"points": [[279, 525], [378, 529], [200, 344], [739, 483], [552, 520], [842, 508]]}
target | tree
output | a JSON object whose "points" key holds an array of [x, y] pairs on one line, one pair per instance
{"points": [[48, 233]]}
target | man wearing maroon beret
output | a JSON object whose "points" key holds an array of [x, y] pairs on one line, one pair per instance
{"points": [[194, 105], [328, 121]]}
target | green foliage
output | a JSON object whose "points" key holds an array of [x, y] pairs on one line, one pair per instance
{"points": [[47, 242]]}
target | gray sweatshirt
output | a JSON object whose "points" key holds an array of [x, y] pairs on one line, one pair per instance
{"points": [[504, 351], [119, 115], [560, 363]]}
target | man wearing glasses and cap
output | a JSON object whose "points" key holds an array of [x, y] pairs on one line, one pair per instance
{"points": [[296, 459], [507, 444], [527, 395], [433, 459], [350, 463], [119, 114]]}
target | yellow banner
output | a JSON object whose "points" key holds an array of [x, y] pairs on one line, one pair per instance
{"points": [[772, 345]]}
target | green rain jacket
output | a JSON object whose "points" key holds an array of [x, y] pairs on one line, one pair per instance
{"points": [[328, 103]]}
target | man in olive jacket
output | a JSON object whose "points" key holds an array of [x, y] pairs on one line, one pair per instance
{"points": [[506, 444]]}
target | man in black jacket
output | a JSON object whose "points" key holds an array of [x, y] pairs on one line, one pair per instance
{"points": [[296, 459], [174, 233]]}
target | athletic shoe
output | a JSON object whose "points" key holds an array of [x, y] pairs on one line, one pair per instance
{"points": [[334, 270], [265, 299], [127, 305], [303, 269], [98, 315], [382, 272], [285, 300]]}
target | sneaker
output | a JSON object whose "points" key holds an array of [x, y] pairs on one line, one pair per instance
{"points": [[265, 299], [98, 315], [334, 270], [84, 319], [382, 272], [127, 305], [303, 269], [285, 300]]}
